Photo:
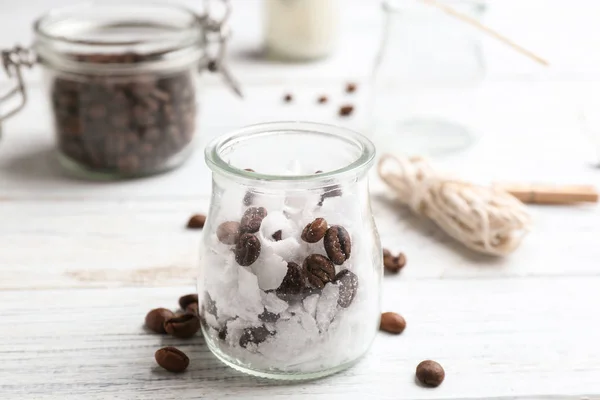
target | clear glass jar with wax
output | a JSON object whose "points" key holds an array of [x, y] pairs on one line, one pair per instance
{"points": [[121, 83], [291, 262]]}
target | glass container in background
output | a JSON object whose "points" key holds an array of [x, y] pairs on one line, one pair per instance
{"points": [[424, 78], [121, 82], [300, 30], [278, 299]]}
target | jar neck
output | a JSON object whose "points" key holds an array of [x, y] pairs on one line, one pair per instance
{"points": [[290, 156]]}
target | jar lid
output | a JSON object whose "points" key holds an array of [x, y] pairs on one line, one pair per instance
{"points": [[118, 37]]}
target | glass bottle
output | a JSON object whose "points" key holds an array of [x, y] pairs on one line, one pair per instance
{"points": [[425, 77], [121, 83], [291, 262]]}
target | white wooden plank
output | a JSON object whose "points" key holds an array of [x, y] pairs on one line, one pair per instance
{"points": [[495, 338]]}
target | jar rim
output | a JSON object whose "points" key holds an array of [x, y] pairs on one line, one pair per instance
{"points": [[217, 164], [64, 33]]}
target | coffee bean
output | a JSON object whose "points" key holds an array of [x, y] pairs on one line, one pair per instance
{"points": [[346, 110], [320, 270], [350, 87], [254, 335], [268, 316], [430, 373], [392, 323], [322, 99], [391, 263], [228, 232], [197, 221], [192, 308], [172, 359], [252, 219], [277, 235], [294, 285], [247, 249], [337, 244], [314, 231], [156, 318], [185, 301], [249, 196], [183, 327], [287, 98], [348, 284]]}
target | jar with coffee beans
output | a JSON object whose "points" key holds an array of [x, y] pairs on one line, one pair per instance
{"points": [[121, 80], [291, 263]]}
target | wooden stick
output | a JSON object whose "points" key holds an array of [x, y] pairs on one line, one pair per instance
{"points": [[548, 194], [473, 22]]}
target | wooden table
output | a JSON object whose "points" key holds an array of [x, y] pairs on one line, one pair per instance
{"points": [[82, 262]]}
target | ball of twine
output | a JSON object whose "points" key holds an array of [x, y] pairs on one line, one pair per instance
{"points": [[484, 219]]}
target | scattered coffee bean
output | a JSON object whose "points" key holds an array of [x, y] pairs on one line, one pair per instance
{"points": [[252, 219], [393, 263], [430, 373], [197, 221], [392, 322], [277, 235], [348, 284], [320, 270], [185, 301], [346, 110], [247, 249], [288, 98], [322, 99], [156, 318], [314, 231], [337, 244], [294, 284], [192, 308], [268, 316], [128, 126], [209, 304], [183, 327], [229, 232], [254, 335], [350, 87], [172, 359]]}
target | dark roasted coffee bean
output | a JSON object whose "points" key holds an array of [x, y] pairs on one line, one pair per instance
{"points": [[185, 301], [295, 283], [350, 87], [247, 249], [391, 263], [229, 232], [430, 373], [254, 335], [183, 327], [172, 359], [348, 284], [288, 97], [322, 99], [392, 322], [320, 270], [268, 316], [337, 244], [249, 196], [192, 308], [252, 219], [277, 235], [196, 221], [314, 231], [156, 318], [209, 304], [346, 110]]}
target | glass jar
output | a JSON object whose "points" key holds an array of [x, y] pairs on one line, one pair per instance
{"points": [[425, 78], [299, 30], [291, 262], [121, 83]]}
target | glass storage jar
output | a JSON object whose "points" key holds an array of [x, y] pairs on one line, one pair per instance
{"points": [[291, 262], [121, 83], [425, 78]]}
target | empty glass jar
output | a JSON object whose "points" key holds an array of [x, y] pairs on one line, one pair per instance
{"points": [[425, 78], [121, 83], [291, 263]]}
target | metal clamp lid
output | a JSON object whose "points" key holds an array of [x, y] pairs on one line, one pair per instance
{"points": [[12, 61]]}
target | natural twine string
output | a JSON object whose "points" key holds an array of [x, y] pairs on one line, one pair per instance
{"points": [[485, 219]]}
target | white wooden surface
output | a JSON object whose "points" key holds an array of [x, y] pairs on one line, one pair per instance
{"points": [[82, 262]]}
